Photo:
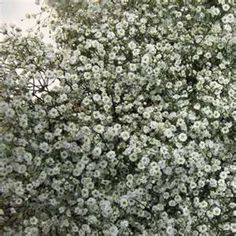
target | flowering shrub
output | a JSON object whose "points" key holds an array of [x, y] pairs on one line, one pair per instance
{"points": [[137, 137]]}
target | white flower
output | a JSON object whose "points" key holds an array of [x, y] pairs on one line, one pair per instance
{"points": [[225, 7], [225, 130], [216, 211], [153, 125], [145, 160], [180, 160], [170, 231], [111, 154], [233, 183], [228, 18], [124, 202], [125, 135], [22, 169], [151, 49], [33, 220], [99, 129], [168, 133], [145, 60], [132, 45], [233, 227], [124, 224], [44, 146], [119, 69], [97, 151], [110, 35], [146, 115], [53, 113], [9, 113], [182, 137], [75, 228], [77, 172], [132, 67]]}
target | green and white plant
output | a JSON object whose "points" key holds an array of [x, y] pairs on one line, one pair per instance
{"points": [[126, 126]]}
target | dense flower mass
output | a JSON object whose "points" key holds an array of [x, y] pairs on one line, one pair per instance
{"points": [[126, 126]]}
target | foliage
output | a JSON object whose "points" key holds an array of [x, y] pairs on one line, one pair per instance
{"points": [[126, 126]]}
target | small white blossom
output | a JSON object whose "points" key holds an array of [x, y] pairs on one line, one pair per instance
{"points": [[125, 135], [99, 129], [182, 137]]}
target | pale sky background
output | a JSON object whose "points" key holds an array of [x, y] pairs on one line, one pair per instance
{"points": [[12, 11]]}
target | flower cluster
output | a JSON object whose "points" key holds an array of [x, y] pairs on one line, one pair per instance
{"points": [[126, 127]]}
